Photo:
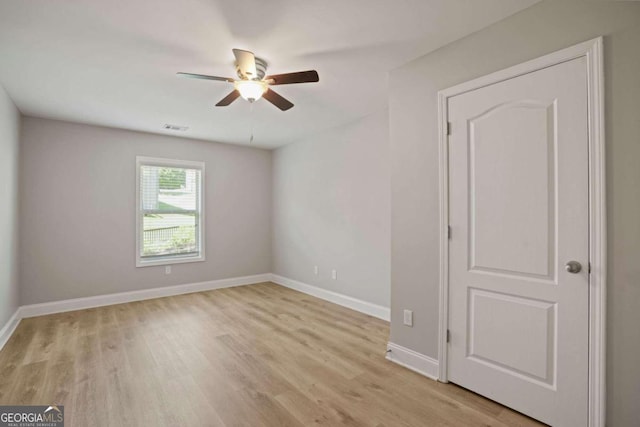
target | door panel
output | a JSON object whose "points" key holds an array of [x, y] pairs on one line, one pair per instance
{"points": [[518, 182], [499, 171], [525, 346]]}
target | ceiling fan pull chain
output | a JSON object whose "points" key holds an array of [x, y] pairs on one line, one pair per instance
{"points": [[251, 122]]}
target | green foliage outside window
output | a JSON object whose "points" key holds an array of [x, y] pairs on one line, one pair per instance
{"points": [[172, 178]]}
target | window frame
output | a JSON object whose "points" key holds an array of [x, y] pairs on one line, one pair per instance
{"points": [[200, 214]]}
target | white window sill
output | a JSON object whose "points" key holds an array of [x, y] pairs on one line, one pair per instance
{"points": [[169, 260]]}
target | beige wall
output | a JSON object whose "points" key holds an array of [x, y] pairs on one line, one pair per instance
{"points": [[77, 210], [331, 209], [543, 28], [9, 148]]}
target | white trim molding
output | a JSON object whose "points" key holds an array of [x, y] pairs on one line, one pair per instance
{"points": [[365, 307], [33, 310], [592, 51], [9, 327], [417, 362]]}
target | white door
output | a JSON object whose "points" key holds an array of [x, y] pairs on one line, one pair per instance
{"points": [[518, 177]]}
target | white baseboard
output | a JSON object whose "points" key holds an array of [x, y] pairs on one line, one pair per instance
{"points": [[413, 360], [33, 310], [9, 327], [350, 302]]}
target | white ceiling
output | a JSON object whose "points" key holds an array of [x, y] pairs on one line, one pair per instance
{"points": [[113, 63]]}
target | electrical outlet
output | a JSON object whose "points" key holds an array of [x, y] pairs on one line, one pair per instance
{"points": [[167, 269], [408, 318], [334, 274], [316, 270]]}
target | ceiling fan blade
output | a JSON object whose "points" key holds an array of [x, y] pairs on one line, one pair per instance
{"points": [[205, 77], [228, 99], [310, 76], [246, 63], [277, 100]]}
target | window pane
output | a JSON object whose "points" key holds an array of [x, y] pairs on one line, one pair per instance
{"points": [[169, 200], [169, 234], [169, 189]]}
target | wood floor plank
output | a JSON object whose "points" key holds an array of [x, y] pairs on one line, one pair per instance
{"points": [[259, 355]]}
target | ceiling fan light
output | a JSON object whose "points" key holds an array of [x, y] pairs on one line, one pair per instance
{"points": [[251, 90]]}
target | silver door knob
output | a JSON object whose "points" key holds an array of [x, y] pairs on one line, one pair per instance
{"points": [[573, 267]]}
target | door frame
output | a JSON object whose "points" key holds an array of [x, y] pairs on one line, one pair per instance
{"points": [[592, 51]]}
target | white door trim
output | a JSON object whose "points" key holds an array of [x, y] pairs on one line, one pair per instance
{"points": [[592, 50]]}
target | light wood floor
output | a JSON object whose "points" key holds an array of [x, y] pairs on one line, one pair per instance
{"points": [[259, 355]]}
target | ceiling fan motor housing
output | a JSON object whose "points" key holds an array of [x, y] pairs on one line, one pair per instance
{"points": [[261, 70]]}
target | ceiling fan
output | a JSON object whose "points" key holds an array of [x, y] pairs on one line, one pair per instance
{"points": [[252, 83]]}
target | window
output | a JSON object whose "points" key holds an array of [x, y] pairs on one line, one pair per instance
{"points": [[169, 211]]}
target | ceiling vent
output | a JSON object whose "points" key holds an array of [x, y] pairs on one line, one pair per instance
{"points": [[175, 127]]}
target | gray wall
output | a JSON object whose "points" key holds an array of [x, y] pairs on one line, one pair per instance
{"points": [[331, 209], [9, 143], [543, 28], [77, 210]]}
